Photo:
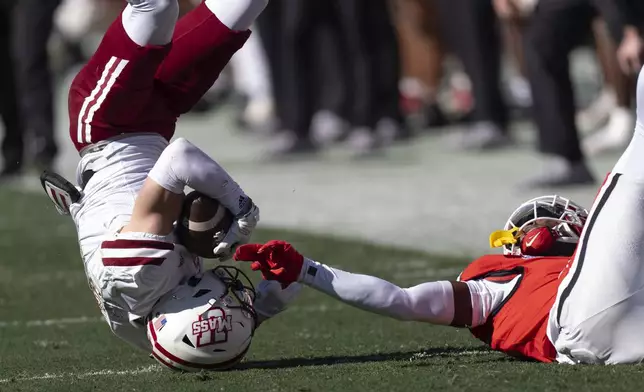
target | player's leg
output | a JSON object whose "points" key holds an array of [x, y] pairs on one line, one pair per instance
{"points": [[204, 41], [600, 304], [114, 88]]}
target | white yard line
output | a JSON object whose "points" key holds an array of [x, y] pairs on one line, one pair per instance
{"points": [[50, 322], [98, 373], [156, 368]]}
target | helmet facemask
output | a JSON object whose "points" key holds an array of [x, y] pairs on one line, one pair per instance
{"points": [[564, 217], [240, 286]]}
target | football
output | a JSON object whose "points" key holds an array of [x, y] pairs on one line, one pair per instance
{"points": [[203, 224]]}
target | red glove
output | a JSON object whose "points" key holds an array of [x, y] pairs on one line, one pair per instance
{"points": [[277, 260]]}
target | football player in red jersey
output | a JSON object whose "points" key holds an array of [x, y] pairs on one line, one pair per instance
{"points": [[569, 287]]}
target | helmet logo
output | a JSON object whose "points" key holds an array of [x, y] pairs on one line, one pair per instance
{"points": [[212, 327]]}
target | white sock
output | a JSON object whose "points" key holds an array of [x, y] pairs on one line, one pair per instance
{"points": [[183, 164], [150, 22], [237, 15]]}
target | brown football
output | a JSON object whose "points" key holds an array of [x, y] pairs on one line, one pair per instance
{"points": [[203, 224]]}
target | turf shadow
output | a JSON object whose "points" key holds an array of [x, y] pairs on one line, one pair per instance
{"points": [[367, 358]]}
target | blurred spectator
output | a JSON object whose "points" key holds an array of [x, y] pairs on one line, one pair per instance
{"points": [[554, 28], [247, 78], [618, 118], [12, 142], [370, 61], [422, 61], [469, 27], [32, 27], [252, 80]]}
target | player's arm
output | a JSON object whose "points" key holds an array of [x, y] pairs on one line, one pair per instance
{"points": [[444, 303], [182, 164]]}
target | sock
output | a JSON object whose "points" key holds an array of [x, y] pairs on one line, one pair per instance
{"points": [[237, 15], [150, 22]]}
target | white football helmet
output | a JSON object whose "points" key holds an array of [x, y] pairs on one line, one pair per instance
{"points": [[565, 217], [207, 323]]}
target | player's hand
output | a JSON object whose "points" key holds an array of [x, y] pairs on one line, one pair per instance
{"points": [[629, 53], [238, 234], [277, 260], [272, 299]]}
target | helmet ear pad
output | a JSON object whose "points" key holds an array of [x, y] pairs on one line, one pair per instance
{"points": [[543, 241]]}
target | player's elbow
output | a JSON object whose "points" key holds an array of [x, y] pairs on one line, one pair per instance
{"points": [[179, 148]]}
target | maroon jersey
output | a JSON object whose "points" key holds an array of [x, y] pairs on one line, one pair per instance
{"points": [[126, 88], [518, 326]]}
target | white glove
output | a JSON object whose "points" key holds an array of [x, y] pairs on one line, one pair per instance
{"points": [[238, 234], [271, 299]]}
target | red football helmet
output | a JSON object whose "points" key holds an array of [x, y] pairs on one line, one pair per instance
{"points": [[563, 218]]}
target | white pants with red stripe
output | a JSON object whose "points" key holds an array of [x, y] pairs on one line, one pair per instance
{"points": [[598, 316], [126, 279]]}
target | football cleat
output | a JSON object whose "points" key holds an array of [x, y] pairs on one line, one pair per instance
{"points": [[60, 191]]}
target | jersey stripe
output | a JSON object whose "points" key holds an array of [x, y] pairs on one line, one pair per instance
{"points": [[90, 115], [137, 244], [132, 261], [92, 96], [584, 243]]}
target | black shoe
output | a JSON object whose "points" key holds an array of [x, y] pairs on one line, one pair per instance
{"points": [[560, 173]]}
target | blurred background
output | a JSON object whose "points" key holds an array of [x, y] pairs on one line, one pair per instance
{"points": [[420, 123]]}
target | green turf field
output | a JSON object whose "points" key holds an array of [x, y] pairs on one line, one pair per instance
{"points": [[51, 337]]}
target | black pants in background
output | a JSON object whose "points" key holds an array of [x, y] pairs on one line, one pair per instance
{"points": [[12, 142], [470, 29], [269, 24], [32, 27], [556, 27], [301, 23], [369, 61]]}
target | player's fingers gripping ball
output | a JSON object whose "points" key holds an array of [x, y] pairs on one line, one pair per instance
{"points": [[239, 233], [538, 241]]}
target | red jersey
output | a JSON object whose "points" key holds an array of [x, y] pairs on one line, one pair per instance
{"points": [[518, 326]]}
